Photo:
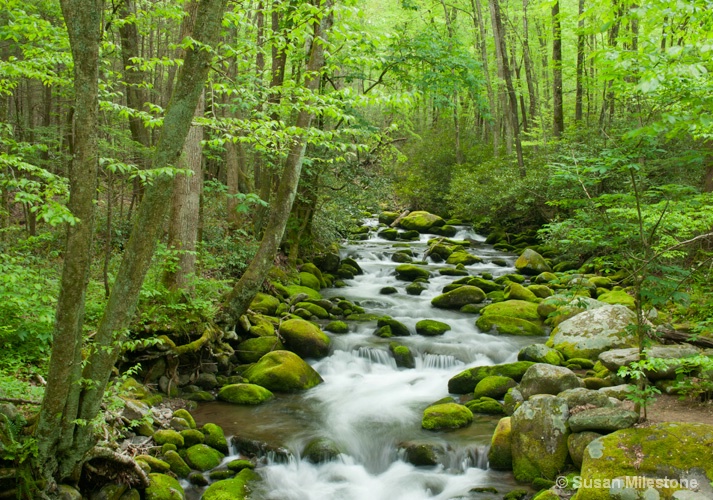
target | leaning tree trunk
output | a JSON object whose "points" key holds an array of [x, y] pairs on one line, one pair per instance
{"points": [[83, 400], [238, 300], [59, 406]]}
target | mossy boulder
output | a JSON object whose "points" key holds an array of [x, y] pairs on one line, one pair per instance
{"points": [[310, 281], [240, 464], [264, 304], [402, 355], [663, 450], [485, 284], [547, 379], [203, 457], [244, 394], [155, 464], [540, 353], [515, 309], [493, 386], [387, 217], [163, 487], [500, 452], [397, 328], [604, 420], [411, 272], [337, 327], [293, 290], [422, 454], [593, 331], [515, 291], [463, 257], [541, 291], [283, 371], [465, 381], [178, 466], [577, 442], [618, 297], [215, 437], [485, 406], [192, 436], [321, 450], [446, 416], [539, 438], [431, 327], [532, 263], [185, 415], [388, 234], [252, 350], [581, 396], [506, 325], [168, 436], [421, 221], [236, 488], [455, 299], [415, 288], [305, 338]]}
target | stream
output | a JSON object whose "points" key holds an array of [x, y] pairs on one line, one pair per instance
{"points": [[368, 406]]}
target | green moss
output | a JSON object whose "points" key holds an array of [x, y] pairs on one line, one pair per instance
{"points": [[514, 309], [446, 416], [337, 327], [168, 436], [244, 394], [532, 263], [500, 452], [251, 350], [493, 386], [202, 457], [460, 256], [240, 464], [409, 272], [163, 487], [485, 406], [455, 299], [283, 371], [515, 291], [231, 489], [292, 290], [314, 309], [421, 221], [402, 355], [168, 447], [156, 464], [618, 297], [430, 327], [397, 328], [506, 325], [178, 466], [466, 380], [264, 304], [305, 338], [215, 437], [185, 415], [541, 291]]}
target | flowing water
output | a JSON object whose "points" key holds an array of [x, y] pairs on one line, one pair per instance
{"points": [[368, 406]]}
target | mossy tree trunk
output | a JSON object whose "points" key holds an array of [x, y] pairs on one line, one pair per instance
{"points": [[238, 299], [76, 396]]}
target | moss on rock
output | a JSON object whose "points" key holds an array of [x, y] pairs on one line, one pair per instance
{"points": [[455, 299], [192, 436], [215, 437], [514, 309], [337, 327], [421, 221], [178, 466], [252, 350], [305, 338], [244, 394], [163, 487], [283, 371], [500, 452], [532, 263], [410, 272], [397, 328], [506, 325], [515, 291], [493, 386], [168, 436], [540, 353], [264, 304], [486, 406], [231, 489], [431, 328], [446, 416], [203, 457], [465, 381]]}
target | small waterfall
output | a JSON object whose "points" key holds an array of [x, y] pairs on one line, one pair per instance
{"points": [[438, 362], [375, 355]]}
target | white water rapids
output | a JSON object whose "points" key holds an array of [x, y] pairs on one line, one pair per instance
{"points": [[368, 406]]}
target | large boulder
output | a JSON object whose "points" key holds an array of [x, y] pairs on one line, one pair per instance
{"points": [[431, 327], [540, 353], [515, 291], [604, 420], [618, 297], [584, 397], [264, 304], [202, 457], [461, 296], [231, 489], [310, 281], [547, 379], [494, 386], [460, 256], [515, 309], [672, 451], [506, 325], [500, 452], [410, 272], [593, 331], [539, 438], [244, 394], [465, 381], [421, 221], [305, 338], [446, 416], [252, 350], [164, 487], [397, 328], [283, 371], [577, 443], [616, 358], [532, 263]]}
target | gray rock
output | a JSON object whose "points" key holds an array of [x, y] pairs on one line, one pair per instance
{"points": [[619, 392], [206, 381], [547, 379], [540, 353], [616, 358], [602, 420], [581, 396], [577, 443]]}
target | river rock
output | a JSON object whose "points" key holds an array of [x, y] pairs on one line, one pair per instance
{"points": [[485, 285], [327, 262], [460, 256], [203, 457], [423, 454], [410, 272], [233, 489], [485, 406], [455, 299], [514, 309], [421, 221], [494, 386], [431, 327], [252, 350], [305, 338], [620, 392], [397, 328], [539, 438], [264, 304], [446, 416], [321, 450], [465, 381], [581, 396], [665, 450], [506, 325], [402, 355], [594, 331], [244, 394], [387, 217], [618, 296], [283, 371], [532, 263], [559, 308], [163, 487], [616, 358], [602, 420], [310, 281], [314, 309], [512, 400], [540, 353], [547, 379], [500, 452], [515, 291], [577, 442]]}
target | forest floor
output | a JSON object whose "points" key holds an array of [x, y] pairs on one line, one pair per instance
{"points": [[672, 409]]}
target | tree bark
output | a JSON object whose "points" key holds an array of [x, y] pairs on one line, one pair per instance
{"points": [[557, 101], [527, 61], [483, 45], [578, 108], [238, 300]]}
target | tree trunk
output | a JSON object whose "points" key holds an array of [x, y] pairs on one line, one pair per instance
{"points": [[501, 51], [557, 101], [480, 26], [64, 444], [185, 208], [578, 108], [238, 300], [527, 60], [59, 407]]}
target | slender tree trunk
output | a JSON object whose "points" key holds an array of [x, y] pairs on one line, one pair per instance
{"points": [[238, 300], [557, 103], [59, 406], [527, 61], [480, 26], [185, 208], [502, 57], [578, 108]]}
